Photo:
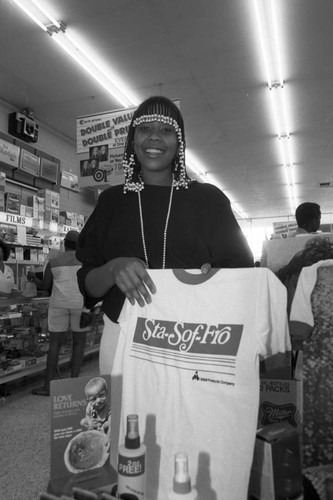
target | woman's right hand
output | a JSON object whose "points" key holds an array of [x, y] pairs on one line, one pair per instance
{"points": [[131, 277]]}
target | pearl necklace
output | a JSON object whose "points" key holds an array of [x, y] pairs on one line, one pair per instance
{"points": [[164, 233]]}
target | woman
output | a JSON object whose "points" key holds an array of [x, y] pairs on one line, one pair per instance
{"points": [[158, 219], [7, 282], [311, 324]]}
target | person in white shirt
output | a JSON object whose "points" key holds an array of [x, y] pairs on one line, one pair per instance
{"points": [[7, 281], [308, 217], [65, 309]]}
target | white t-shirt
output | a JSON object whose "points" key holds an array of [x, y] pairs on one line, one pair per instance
{"points": [[301, 308], [189, 364], [65, 289], [7, 282]]}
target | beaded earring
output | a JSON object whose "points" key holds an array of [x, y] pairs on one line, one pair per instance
{"points": [[133, 177]]}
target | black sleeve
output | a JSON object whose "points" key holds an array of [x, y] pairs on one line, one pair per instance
{"points": [[228, 245]]}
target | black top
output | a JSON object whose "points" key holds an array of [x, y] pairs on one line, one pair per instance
{"points": [[202, 229]]}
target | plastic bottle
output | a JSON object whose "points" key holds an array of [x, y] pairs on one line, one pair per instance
{"points": [[132, 463], [182, 489]]}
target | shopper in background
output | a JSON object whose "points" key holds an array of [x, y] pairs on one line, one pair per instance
{"points": [[65, 308], [308, 218], [311, 329], [316, 249], [7, 282], [159, 218]]}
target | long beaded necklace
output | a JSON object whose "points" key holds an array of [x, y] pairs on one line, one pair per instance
{"points": [[164, 233]]}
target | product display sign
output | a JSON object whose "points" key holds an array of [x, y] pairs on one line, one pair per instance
{"points": [[101, 140], [80, 433], [284, 228]]}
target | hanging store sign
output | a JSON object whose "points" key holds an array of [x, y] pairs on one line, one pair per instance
{"points": [[101, 140], [16, 219]]}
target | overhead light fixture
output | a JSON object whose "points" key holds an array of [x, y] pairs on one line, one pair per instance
{"points": [[59, 33], [269, 40], [30, 13], [110, 82], [289, 171], [280, 109], [108, 79]]}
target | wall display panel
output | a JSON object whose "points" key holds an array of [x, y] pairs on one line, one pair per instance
{"points": [[29, 163], [49, 170], [69, 181]]}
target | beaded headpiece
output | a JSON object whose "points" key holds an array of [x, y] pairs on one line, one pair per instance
{"points": [[155, 109]]}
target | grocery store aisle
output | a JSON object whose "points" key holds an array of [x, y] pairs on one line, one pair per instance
{"points": [[25, 438]]}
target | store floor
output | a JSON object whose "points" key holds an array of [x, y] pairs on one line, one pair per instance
{"points": [[25, 437]]}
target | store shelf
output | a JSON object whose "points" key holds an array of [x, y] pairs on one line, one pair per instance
{"points": [[31, 370]]}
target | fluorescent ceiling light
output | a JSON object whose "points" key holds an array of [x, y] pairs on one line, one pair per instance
{"points": [[269, 39], [285, 144], [280, 110], [104, 76], [116, 88], [47, 14], [30, 14], [289, 172], [58, 31]]}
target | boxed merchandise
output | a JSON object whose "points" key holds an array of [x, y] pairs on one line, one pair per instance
{"points": [[67, 217], [26, 362], [281, 398], [12, 203], [36, 202], [2, 201], [33, 254], [19, 253], [2, 182], [276, 469], [38, 214], [52, 198], [80, 436], [22, 210], [26, 211], [51, 215], [80, 221]]}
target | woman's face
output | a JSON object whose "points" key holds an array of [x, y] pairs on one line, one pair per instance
{"points": [[155, 145]]}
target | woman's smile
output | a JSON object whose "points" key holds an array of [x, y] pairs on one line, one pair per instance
{"points": [[155, 145], [153, 152]]}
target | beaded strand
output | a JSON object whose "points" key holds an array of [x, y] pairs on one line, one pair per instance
{"points": [[164, 233]]}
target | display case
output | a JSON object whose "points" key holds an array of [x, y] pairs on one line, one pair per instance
{"points": [[24, 337]]}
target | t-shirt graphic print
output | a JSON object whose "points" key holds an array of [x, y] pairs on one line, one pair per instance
{"points": [[189, 367]]}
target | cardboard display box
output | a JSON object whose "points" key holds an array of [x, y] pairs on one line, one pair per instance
{"points": [[80, 448], [52, 198], [276, 471], [281, 391]]}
